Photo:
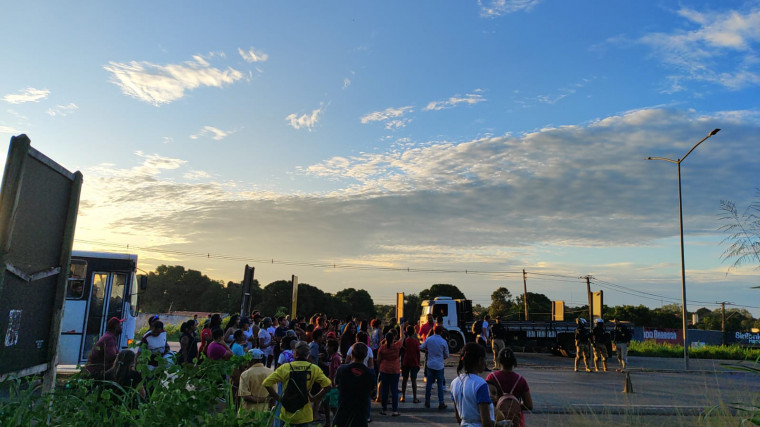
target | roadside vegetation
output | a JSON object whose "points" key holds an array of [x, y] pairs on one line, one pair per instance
{"points": [[178, 396], [724, 352]]}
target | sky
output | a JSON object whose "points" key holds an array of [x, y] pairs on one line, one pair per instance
{"points": [[393, 145]]}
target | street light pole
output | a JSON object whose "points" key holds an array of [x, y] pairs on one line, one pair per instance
{"points": [[683, 265]]}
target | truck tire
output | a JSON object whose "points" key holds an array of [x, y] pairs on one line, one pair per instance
{"points": [[455, 343]]}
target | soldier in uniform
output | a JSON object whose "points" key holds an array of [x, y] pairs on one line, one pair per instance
{"points": [[600, 338], [582, 347], [621, 336]]}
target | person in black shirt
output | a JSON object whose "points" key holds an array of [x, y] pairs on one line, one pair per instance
{"points": [[355, 383]]}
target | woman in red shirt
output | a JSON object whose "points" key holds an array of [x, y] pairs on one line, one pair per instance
{"points": [[508, 381], [390, 368], [410, 363]]}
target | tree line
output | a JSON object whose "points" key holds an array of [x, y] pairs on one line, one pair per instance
{"points": [[174, 288]]}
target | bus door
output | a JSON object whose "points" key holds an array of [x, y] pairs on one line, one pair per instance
{"points": [[74, 314], [106, 301]]}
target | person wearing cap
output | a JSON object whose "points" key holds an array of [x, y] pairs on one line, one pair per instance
{"points": [[621, 336], [104, 351], [437, 350], [582, 347], [254, 395], [600, 338]]}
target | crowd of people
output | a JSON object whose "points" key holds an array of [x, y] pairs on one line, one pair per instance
{"points": [[597, 340], [329, 371]]}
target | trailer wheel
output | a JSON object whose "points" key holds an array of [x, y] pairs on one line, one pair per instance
{"points": [[455, 343]]}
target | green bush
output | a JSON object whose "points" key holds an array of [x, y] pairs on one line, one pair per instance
{"points": [[176, 395], [727, 352]]}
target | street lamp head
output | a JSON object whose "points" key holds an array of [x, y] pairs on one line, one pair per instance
{"points": [[714, 131]]}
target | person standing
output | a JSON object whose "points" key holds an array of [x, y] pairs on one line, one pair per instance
{"points": [[469, 391], [355, 383], [254, 395], [104, 351], [600, 338], [218, 348], [410, 363], [437, 352], [390, 368], [188, 351], [582, 347], [505, 380], [498, 339], [314, 375], [265, 340], [621, 336], [426, 328]]}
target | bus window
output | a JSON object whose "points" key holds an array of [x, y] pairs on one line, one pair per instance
{"points": [[133, 297], [78, 269], [95, 317], [116, 301], [75, 289]]}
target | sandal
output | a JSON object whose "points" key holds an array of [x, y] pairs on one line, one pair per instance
{"points": [[395, 414], [402, 399], [416, 400]]}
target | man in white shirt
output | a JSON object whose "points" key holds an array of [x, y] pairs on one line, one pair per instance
{"points": [[437, 350]]}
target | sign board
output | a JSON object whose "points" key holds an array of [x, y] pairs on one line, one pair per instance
{"points": [[558, 311], [670, 336], [751, 339], [245, 301], [399, 307], [39, 200], [294, 279]]}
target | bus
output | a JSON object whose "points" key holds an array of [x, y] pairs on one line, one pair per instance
{"points": [[100, 286]]}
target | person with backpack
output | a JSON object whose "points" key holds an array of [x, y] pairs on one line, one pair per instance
{"points": [[621, 336], [509, 390], [297, 378], [601, 338], [472, 399], [582, 344]]}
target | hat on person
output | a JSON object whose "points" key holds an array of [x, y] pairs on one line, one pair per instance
{"points": [[113, 322], [257, 354], [599, 320]]}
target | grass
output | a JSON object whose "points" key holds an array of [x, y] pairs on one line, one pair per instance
{"points": [[724, 352]]}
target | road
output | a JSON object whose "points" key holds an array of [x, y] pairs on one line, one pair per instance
{"points": [[663, 394]]}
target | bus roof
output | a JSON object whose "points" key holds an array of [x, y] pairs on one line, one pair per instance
{"points": [[104, 255]]}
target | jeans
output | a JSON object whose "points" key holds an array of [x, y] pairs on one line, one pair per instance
{"points": [[434, 375], [390, 381]]}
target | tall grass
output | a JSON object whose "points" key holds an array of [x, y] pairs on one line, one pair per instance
{"points": [[725, 352]]}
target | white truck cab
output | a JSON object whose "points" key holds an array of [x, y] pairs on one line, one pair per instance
{"points": [[455, 314]]}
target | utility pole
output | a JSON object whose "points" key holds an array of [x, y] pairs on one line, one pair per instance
{"points": [[723, 323], [590, 300], [525, 293]]}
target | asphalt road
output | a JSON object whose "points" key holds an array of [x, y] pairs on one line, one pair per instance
{"points": [[663, 393]]}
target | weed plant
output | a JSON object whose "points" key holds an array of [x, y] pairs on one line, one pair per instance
{"points": [[175, 396]]}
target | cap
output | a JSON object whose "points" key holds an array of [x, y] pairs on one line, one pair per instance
{"points": [[113, 321], [599, 321], [257, 353]]}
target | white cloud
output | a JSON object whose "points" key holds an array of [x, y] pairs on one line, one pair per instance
{"points": [[62, 110], [307, 121], [216, 134], [27, 95], [9, 130], [162, 84], [493, 8], [346, 83], [251, 55], [196, 175], [470, 99], [721, 50], [388, 113]]}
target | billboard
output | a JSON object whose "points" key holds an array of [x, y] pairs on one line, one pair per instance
{"points": [[39, 201], [660, 335]]}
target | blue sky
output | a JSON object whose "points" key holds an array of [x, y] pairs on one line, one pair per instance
{"points": [[466, 136]]}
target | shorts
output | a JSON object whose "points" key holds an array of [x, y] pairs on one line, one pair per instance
{"points": [[407, 371], [332, 398]]}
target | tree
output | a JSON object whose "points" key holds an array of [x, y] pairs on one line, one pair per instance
{"points": [[501, 303], [743, 233], [176, 289], [359, 302], [412, 307], [539, 306], [441, 290]]}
